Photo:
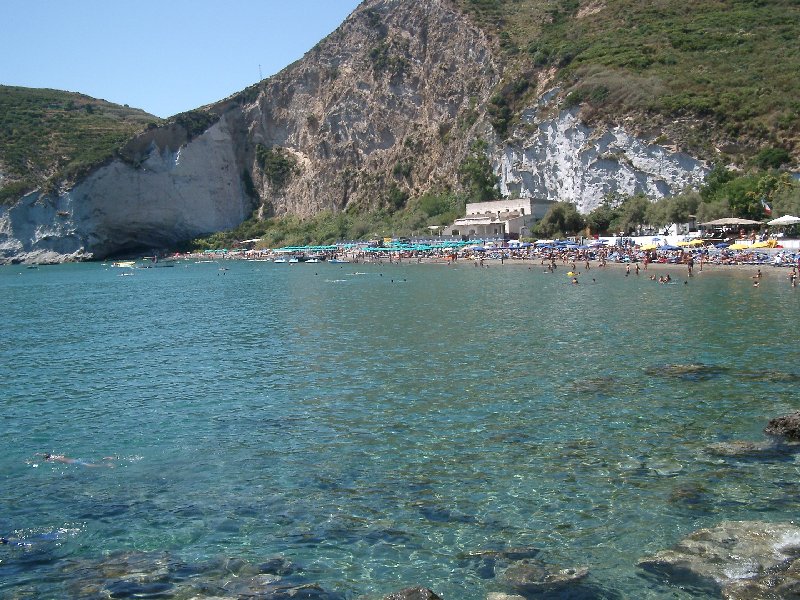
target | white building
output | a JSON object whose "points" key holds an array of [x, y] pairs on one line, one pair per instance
{"points": [[509, 219]]}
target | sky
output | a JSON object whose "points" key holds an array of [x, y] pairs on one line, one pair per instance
{"points": [[163, 56]]}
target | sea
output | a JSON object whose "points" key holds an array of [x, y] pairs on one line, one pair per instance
{"points": [[345, 431]]}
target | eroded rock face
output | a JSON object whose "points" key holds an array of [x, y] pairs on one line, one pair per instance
{"points": [[737, 559], [561, 159], [172, 195]]}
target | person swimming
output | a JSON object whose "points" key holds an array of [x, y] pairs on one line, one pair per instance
{"points": [[60, 458]]}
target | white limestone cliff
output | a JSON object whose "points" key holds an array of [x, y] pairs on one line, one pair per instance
{"points": [[560, 158], [171, 195]]}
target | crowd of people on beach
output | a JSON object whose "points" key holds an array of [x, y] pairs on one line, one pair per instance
{"points": [[634, 258]]}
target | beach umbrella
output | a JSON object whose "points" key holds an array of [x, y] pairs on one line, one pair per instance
{"points": [[765, 244], [785, 220], [721, 245], [648, 247], [669, 247], [738, 246], [696, 242]]}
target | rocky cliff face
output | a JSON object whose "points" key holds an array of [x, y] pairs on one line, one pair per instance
{"points": [[391, 100], [175, 192], [398, 83], [561, 159]]}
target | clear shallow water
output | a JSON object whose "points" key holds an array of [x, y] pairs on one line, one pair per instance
{"points": [[374, 423]]}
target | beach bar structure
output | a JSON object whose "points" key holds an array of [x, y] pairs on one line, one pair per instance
{"points": [[509, 219]]}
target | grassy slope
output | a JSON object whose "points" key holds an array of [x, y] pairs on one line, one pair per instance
{"points": [[731, 64], [49, 135]]}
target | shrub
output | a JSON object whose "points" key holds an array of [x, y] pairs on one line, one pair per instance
{"points": [[278, 165], [772, 158]]}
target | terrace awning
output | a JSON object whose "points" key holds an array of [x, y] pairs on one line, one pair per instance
{"points": [[730, 221]]}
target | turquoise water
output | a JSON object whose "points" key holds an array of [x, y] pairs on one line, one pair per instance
{"points": [[373, 424]]}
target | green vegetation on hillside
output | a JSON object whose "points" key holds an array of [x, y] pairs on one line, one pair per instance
{"points": [[733, 64], [48, 135], [327, 227], [278, 165], [725, 194]]}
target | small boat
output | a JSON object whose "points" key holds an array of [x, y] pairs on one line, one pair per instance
{"points": [[280, 260], [339, 261], [124, 264]]}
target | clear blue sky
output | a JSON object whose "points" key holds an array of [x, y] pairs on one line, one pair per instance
{"points": [[164, 56]]}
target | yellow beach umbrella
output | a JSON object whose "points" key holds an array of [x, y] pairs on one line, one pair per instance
{"points": [[738, 246], [649, 247], [765, 244], [696, 242], [682, 243]]}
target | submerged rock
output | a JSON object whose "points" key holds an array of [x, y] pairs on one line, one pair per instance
{"points": [[690, 496], [787, 427], [688, 371], [531, 576], [158, 575], [745, 449], [770, 376], [486, 563], [413, 593], [740, 560]]}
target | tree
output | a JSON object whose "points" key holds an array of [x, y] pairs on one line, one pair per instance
{"points": [[561, 219], [710, 211], [599, 220], [715, 180], [478, 178], [743, 198], [786, 201], [631, 214]]}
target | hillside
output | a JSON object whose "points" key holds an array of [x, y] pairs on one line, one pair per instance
{"points": [[410, 109], [50, 135], [720, 76]]}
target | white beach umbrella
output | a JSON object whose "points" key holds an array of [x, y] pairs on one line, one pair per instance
{"points": [[785, 220]]}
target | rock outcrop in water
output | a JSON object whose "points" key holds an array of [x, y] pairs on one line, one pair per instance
{"points": [[413, 593], [787, 427], [160, 575], [390, 102], [744, 560]]}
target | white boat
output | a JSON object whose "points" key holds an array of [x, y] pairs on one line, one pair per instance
{"points": [[282, 259]]}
